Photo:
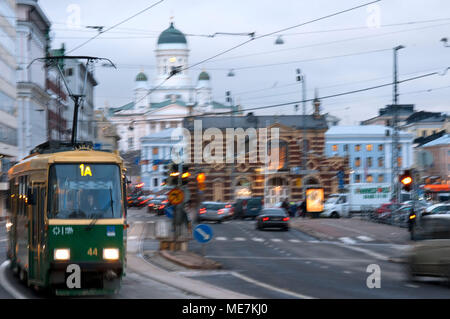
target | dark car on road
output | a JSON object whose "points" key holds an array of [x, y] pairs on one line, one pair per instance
{"points": [[214, 211], [248, 207], [272, 218], [156, 206]]}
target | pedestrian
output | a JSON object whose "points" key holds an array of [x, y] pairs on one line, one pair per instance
{"points": [[292, 209], [303, 209], [285, 205]]}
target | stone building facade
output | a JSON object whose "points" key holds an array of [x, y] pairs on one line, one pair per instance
{"points": [[288, 178]]}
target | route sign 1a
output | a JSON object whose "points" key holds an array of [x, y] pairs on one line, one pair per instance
{"points": [[203, 233], [175, 196]]}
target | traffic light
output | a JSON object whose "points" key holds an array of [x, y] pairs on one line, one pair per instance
{"points": [[406, 180], [171, 173], [185, 174], [201, 181]]}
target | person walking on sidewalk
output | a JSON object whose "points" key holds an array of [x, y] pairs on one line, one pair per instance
{"points": [[303, 209], [285, 205]]}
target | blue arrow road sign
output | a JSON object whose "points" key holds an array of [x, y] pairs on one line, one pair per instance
{"points": [[169, 212], [203, 233]]}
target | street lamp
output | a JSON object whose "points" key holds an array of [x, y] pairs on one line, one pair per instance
{"points": [[444, 41], [395, 135], [301, 78], [279, 40]]}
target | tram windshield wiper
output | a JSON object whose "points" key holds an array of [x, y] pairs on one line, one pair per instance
{"points": [[93, 222]]}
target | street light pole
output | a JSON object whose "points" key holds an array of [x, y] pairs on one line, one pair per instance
{"points": [[395, 135], [302, 78]]}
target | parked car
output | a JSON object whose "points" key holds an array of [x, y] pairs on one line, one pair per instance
{"points": [[156, 206], [214, 211], [248, 207], [400, 216], [384, 212], [272, 218], [133, 200], [143, 200]]}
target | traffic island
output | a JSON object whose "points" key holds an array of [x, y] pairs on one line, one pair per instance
{"points": [[190, 260]]}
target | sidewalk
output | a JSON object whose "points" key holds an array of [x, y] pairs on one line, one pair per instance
{"points": [[333, 229]]}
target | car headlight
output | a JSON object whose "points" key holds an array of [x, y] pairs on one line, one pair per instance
{"points": [[110, 253], [61, 254]]}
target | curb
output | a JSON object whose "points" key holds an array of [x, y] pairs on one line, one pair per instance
{"points": [[196, 262]]}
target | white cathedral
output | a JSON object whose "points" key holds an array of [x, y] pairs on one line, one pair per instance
{"points": [[164, 103]]}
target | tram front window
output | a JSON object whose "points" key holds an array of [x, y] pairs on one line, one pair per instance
{"points": [[84, 191]]}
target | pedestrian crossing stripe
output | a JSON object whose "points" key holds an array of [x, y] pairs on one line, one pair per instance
{"points": [[365, 238]]}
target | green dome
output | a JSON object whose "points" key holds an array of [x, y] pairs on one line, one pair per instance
{"points": [[141, 77], [203, 76], [171, 35]]}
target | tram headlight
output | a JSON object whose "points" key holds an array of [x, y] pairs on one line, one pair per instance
{"points": [[62, 254], [110, 253]]}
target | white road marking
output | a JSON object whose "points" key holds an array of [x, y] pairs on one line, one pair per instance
{"points": [[132, 237], [365, 238], [277, 240], [3, 239], [294, 240], [412, 286], [239, 239], [221, 238], [347, 240], [347, 272], [267, 286], [258, 239]]}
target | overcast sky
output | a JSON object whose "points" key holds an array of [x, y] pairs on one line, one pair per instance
{"points": [[333, 61]]}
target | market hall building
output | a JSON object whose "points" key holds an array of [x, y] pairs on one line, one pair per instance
{"points": [[226, 182]]}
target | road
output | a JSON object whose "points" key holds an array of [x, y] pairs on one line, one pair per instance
{"points": [[278, 264], [263, 264]]}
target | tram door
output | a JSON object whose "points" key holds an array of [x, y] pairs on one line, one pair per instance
{"points": [[37, 235]]}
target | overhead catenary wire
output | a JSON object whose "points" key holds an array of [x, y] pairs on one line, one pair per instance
{"points": [[305, 100], [277, 31], [116, 25]]}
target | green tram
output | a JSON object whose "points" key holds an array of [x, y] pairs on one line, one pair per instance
{"points": [[67, 208]]}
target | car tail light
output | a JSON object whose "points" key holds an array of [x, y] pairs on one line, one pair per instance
{"points": [[139, 198], [227, 206], [202, 210], [265, 219], [220, 211], [150, 205], [165, 201], [161, 206], [285, 219]]}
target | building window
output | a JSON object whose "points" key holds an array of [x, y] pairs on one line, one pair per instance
{"points": [[357, 162], [380, 147], [369, 147], [380, 178], [155, 182], [346, 148], [155, 151], [281, 147], [335, 148], [369, 178], [369, 162], [380, 162], [155, 168], [357, 178], [357, 148]]}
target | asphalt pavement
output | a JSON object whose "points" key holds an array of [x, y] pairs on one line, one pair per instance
{"points": [[268, 264]]}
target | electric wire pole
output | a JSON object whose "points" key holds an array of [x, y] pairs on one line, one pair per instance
{"points": [[395, 136]]}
